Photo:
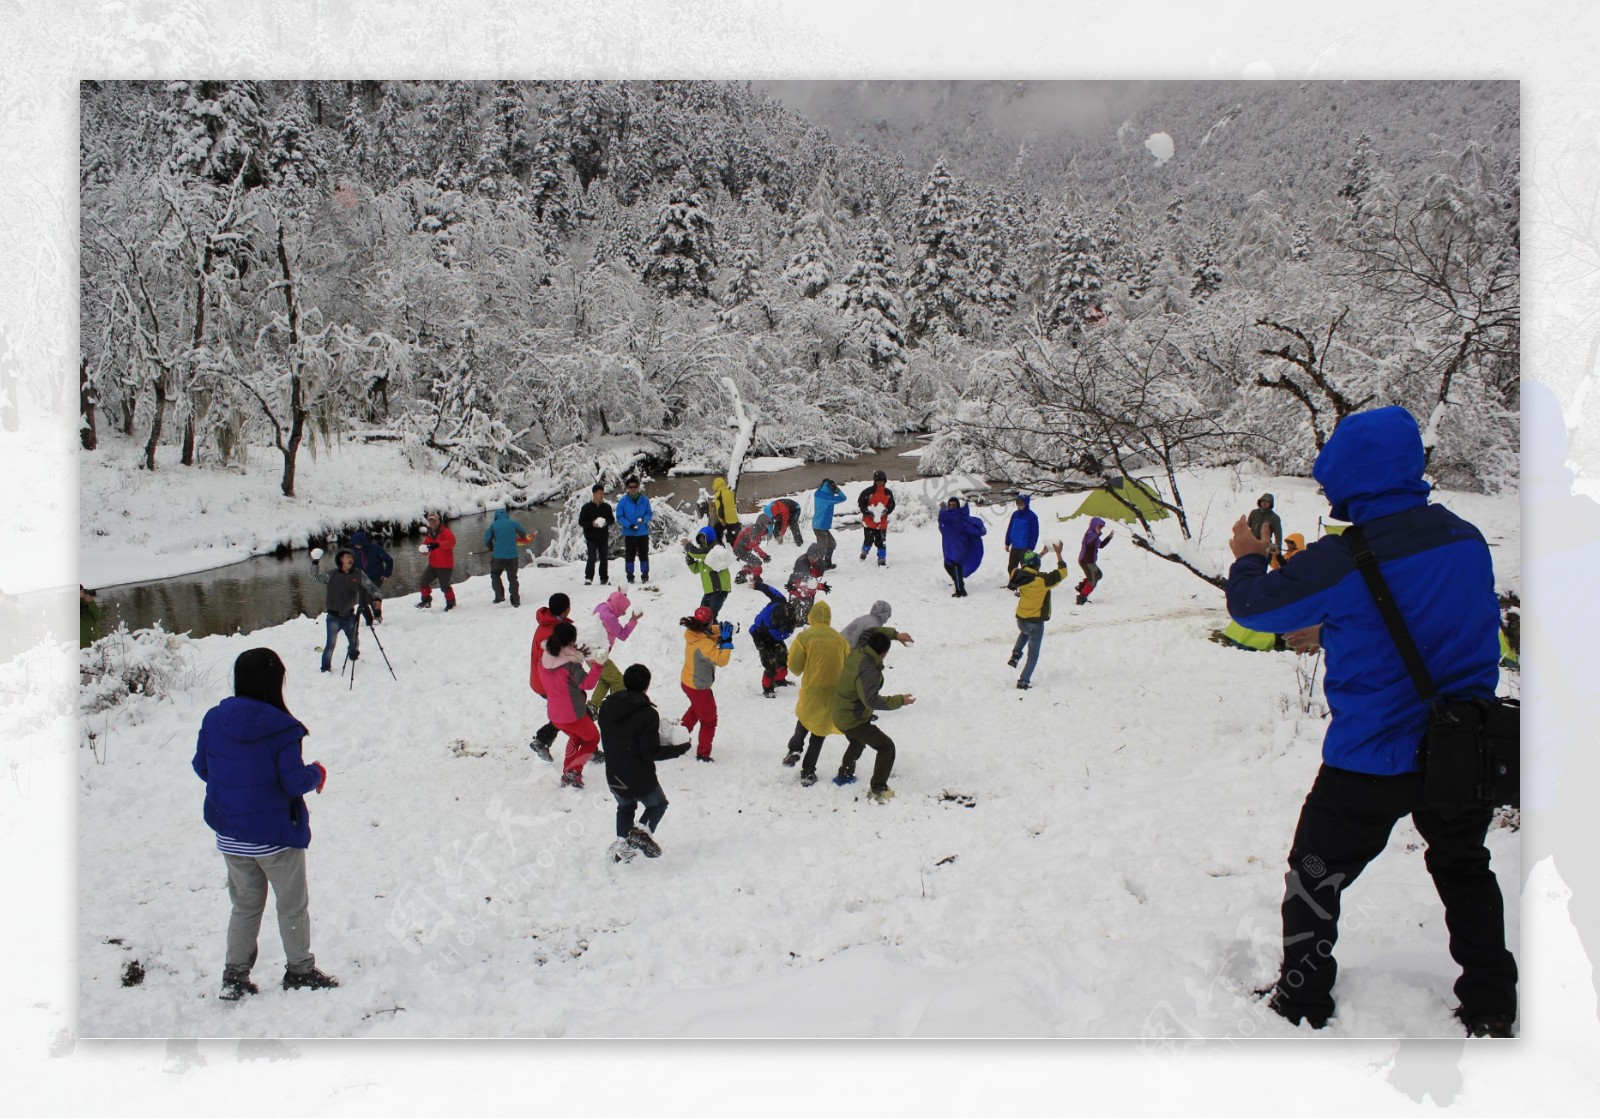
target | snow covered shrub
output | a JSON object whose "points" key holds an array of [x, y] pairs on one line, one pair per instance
{"points": [[147, 662]]}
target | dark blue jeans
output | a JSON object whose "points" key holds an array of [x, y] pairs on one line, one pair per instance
{"points": [[655, 807], [1030, 634], [348, 624]]}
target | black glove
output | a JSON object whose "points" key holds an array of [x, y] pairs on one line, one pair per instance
{"points": [[824, 587]]}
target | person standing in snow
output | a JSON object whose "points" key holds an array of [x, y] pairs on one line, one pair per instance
{"points": [[88, 617], [439, 544], [610, 612], [1263, 516], [770, 631], [565, 683], [785, 516], [805, 581], [877, 618], [828, 496], [856, 695], [1089, 558], [959, 531], [249, 756], [711, 561], [707, 646], [724, 510], [1293, 545], [631, 731], [634, 515], [1441, 576], [503, 538], [375, 562], [747, 547], [817, 657], [876, 503], [546, 621], [596, 519], [345, 587], [1022, 533], [1033, 610]]}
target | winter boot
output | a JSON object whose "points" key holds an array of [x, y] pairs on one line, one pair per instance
{"points": [[620, 852], [599, 755], [883, 560], [807, 780], [1484, 1025], [572, 779], [312, 980], [704, 758], [880, 796], [792, 758], [542, 749], [1015, 657], [236, 985], [769, 693], [641, 840], [449, 603], [425, 604], [842, 778], [1023, 685], [863, 554]]}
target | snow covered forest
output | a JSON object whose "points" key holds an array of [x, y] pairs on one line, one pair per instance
{"points": [[1062, 280]]}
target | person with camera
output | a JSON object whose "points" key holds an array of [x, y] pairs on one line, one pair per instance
{"points": [[707, 646], [345, 586], [1437, 567]]}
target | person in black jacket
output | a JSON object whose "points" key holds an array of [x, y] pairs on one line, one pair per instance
{"points": [[345, 588], [374, 561], [630, 734], [596, 519]]}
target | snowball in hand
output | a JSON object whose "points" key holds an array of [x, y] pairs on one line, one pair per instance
{"points": [[316, 554], [423, 548], [599, 522]]}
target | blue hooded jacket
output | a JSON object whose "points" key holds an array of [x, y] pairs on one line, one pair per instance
{"points": [[827, 497], [634, 514], [1022, 531], [256, 780], [962, 536], [774, 619], [502, 535], [1438, 568], [372, 559]]}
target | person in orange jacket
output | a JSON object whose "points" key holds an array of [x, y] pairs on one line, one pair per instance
{"points": [[876, 503], [707, 646]]}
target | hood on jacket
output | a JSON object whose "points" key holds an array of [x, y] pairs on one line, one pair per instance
{"points": [[1272, 502], [1297, 539], [547, 617], [250, 720], [821, 613], [881, 611], [1372, 465], [344, 552], [719, 484], [501, 515], [569, 655], [359, 540], [618, 601], [1027, 502], [1096, 524], [815, 553]]}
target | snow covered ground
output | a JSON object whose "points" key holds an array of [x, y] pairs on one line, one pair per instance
{"points": [[1099, 857]]}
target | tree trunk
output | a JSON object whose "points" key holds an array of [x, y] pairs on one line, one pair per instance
{"points": [[156, 422], [187, 457], [87, 399], [297, 407]]}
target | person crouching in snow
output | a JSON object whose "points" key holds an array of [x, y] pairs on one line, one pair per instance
{"points": [[1089, 556], [565, 683], [345, 587], [876, 502], [1022, 533], [610, 613], [634, 740], [817, 657], [770, 631], [747, 546], [439, 545], [1033, 610], [959, 532], [806, 580], [707, 646], [856, 696], [785, 514]]}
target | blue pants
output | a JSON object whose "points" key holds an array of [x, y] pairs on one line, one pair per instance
{"points": [[1030, 633], [714, 599], [348, 625], [655, 807]]}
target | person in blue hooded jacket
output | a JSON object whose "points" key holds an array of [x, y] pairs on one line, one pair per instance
{"points": [[771, 631], [962, 536], [1022, 533], [503, 537], [633, 517], [374, 561], [248, 754], [828, 496], [1438, 569]]}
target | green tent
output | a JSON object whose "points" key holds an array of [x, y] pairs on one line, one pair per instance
{"points": [[1104, 502]]}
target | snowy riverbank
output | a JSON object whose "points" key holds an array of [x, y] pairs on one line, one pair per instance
{"points": [[1101, 856]]}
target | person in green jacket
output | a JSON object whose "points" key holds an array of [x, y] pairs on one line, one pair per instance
{"points": [[855, 698], [88, 617], [711, 561]]}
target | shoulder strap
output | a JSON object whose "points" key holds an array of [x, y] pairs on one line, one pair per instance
{"points": [[1367, 564]]}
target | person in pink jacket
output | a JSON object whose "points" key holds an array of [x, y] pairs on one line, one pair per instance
{"points": [[565, 683], [610, 612]]}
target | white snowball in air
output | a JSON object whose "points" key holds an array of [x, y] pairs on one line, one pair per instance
{"points": [[1160, 145]]}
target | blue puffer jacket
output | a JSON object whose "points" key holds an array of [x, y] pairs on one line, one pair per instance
{"points": [[822, 514], [1022, 531], [502, 535], [1436, 564], [634, 515], [256, 781], [774, 619]]}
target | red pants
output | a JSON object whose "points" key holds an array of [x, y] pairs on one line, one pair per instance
{"points": [[702, 710], [583, 738]]}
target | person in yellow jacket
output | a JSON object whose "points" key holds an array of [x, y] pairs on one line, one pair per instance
{"points": [[724, 511], [707, 646], [1033, 610], [817, 656]]}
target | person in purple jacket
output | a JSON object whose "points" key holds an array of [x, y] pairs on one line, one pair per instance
{"points": [[256, 780], [1089, 556]]}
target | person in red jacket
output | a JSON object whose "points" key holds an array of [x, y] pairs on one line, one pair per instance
{"points": [[566, 686], [548, 618], [876, 503], [440, 545]]}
